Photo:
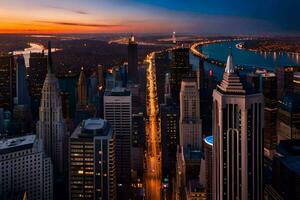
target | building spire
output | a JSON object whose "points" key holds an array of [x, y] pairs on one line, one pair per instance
{"points": [[229, 65], [49, 61]]}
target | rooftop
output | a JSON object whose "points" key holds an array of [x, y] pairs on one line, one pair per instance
{"points": [[92, 127], [16, 144], [118, 91]]}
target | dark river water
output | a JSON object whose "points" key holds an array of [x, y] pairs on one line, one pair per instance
{"points": [[249, 59]]}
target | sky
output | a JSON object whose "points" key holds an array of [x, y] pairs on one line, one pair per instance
{"points": [[150, 16]]}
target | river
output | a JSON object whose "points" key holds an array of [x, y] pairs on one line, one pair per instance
{"points": [[249, 59]]}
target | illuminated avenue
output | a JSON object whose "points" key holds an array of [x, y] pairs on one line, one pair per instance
{"points": [[153, 153]]}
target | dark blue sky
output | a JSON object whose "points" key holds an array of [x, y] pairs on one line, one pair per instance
{"points": [[191, 16]]}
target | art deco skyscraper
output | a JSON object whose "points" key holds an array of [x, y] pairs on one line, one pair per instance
{"points": [[51, 127], [238, 139], [190, 124]]}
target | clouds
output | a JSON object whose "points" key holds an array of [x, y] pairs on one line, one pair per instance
{"points": [[64, 23]]}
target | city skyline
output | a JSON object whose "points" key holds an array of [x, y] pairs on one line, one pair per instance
{"points": [[213, 17]]}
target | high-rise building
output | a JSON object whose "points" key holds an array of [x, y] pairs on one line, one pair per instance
{"points": [[168, 94], [37, 71], [162, 66], [208, 155], [296, 82], [133, 59], [101, 80], [237, 139], [22, 94], [190, 124], [118, 112], [7, 81], [285, 80], [180, 68], [82, 90], [286, 170], [25, 168], [92, 173], [51, 126], [288, 117], [169, 116]]}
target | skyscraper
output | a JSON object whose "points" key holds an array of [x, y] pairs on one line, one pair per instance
{"points": [[190, 124], [7, 81], [238, 139], [208, 154], [82, 90], [180, 67], [133, 59], [22, 95], [37, 71], [92, 172], [25, 168], [167, 94], [51, 127], [118, 112]]}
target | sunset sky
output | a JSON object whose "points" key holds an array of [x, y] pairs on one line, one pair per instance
{"points": [[155, 16]]}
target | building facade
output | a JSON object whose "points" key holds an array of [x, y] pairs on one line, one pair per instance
{"points": [[92, 173], [118, 112], [51, 126], [24, 167], [237, 139]]}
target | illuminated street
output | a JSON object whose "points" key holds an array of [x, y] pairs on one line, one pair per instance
{"points": [[153, 153]]}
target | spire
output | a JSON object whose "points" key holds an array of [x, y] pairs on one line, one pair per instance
{"points": [[49, 62], [229, 65]]}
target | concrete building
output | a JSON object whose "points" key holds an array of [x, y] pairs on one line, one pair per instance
{"points": [[92, 173], [190, 125], [237, 139], [24, 167], [22, 93], [51, 127], [118, 112]]}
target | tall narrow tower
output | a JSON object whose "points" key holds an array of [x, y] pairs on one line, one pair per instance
{"points": [[21, 83], [132, 59], [190, 124], [51, 127], [82, 89], [238, 139], [167, 94]]}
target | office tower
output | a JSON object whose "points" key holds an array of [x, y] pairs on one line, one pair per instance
{"points": [[93, 89], [285, 169], [25, 168], [22, 97], [237, 139], [190, 123], [7, 81], [162, 66], [174, 37], [285, 80], [82, 90], [37, 71], [21, 121], [118, 112], [167, 95], [138, 145], [51, 127], [180, 67], [101, 80], [201, 75], [92, 173], [133, 60], [208, 156], [135, 96], [288, 117], [169, 116]]}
